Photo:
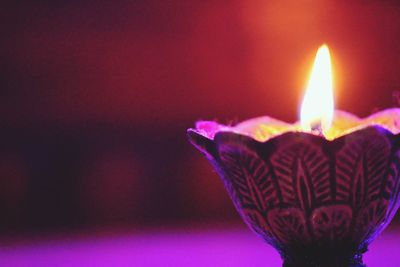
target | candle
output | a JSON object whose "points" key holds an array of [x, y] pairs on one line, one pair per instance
{"points": [[319, 190]]}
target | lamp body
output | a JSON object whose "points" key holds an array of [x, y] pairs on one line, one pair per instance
{"points": [[318, 202]]}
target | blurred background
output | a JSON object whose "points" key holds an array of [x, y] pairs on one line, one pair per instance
{"points": [[96, 97]]}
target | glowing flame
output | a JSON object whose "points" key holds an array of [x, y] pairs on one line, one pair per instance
{"points": [[317, 107]]}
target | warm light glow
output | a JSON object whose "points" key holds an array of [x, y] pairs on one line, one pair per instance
{"points": [[317, 107]]}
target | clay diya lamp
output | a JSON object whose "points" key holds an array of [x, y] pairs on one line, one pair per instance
{"points": [[320, 193]]}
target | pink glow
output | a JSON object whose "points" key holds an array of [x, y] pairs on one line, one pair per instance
{"points": [[232, 247]]}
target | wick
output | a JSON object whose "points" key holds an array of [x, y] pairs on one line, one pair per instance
{"points": [[316, 128]]}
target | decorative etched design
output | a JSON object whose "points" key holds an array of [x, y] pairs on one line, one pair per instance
{"points": [[251, 186], [371, 216], [249, 178], [289, 225], [390, 187], [298, 190], [332, 222], [303, 173]]}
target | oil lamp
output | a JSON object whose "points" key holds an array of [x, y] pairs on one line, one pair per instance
{"points": [[319, 190]]}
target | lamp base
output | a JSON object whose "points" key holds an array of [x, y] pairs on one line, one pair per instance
{"points": [[319, 257], [332, 263]]}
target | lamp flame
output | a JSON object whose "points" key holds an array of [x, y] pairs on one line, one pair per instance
{"points": [[317, 108]]}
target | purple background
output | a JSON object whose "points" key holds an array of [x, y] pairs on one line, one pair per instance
{"points": [[96, 96]]}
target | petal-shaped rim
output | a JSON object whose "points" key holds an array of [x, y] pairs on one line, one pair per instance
{"points": [[347, 123], [209, 146]]}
